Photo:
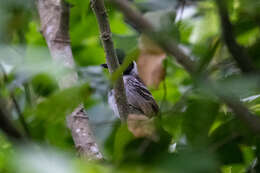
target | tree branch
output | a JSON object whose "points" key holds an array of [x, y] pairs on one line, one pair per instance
{"points": [[237, 51], [251, 120], [134, 16], [111, 57], [169, 45], [82, 134], [54, 17]]}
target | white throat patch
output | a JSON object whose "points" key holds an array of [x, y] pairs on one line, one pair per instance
{"points": [[134, 70]]}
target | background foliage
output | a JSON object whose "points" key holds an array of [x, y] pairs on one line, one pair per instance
{"points": [[199, 133]]}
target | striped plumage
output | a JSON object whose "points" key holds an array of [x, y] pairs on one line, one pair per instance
{"points": [[139, 98]]}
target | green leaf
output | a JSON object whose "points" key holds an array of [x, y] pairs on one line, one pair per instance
{"points": [[125, 42], [43, 84], [225, 142], [199, 116], [173, 125], [199, 161], [62, 103]]}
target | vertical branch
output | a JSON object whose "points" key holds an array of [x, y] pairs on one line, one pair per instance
{"points": [[237, 51], [54, 17], [112, 61]]}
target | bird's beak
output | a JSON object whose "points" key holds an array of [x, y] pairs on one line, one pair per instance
{"points": [[104, 65]]}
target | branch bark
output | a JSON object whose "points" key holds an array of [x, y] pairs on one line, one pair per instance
{"points": [[237, 51], [54, 17], [111, 57], [250, 120]]}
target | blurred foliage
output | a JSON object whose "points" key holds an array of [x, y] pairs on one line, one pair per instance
{"points": [[198, 133]]}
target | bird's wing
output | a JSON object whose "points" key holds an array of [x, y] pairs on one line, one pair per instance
{"points": [[139, 97]]}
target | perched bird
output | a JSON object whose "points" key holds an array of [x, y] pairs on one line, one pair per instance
{"points": [[141, 102]]}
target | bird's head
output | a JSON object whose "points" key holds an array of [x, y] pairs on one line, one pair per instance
{"points": [[132, 67]]}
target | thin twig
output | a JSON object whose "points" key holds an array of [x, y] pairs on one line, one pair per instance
{"points": [[164, 88], [6, 125], [27, 94], [179, 105], [16, 105], [111, 57], [21, 116]]}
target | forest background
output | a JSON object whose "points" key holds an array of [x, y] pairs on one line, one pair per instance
{"points": [[199, 58]]}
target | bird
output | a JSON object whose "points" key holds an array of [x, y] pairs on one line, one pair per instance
{"points": [[142, 105]]}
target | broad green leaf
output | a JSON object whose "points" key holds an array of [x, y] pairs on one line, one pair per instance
{"points": [[199, 116], [62, 103]]}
